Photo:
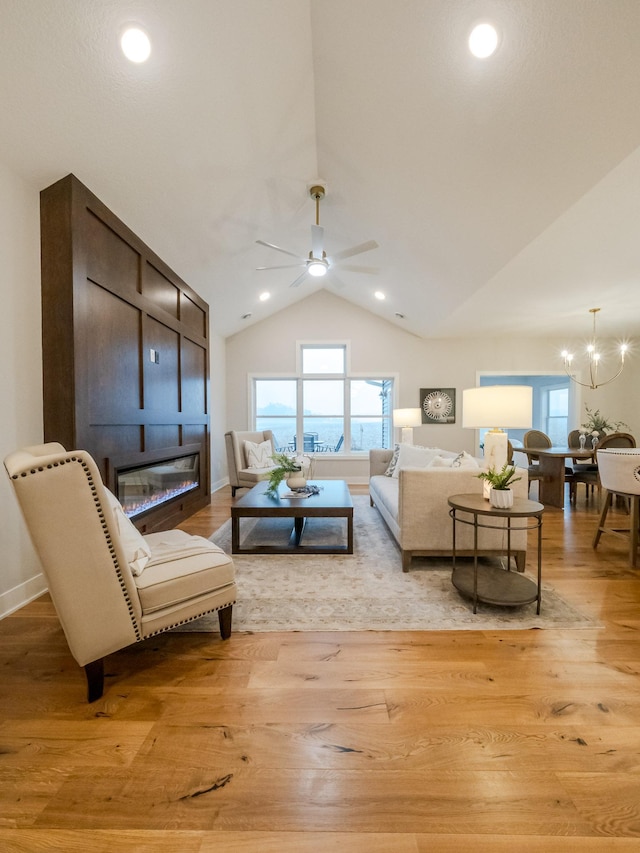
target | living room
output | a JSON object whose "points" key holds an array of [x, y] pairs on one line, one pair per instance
{"points": [[504, 294]]}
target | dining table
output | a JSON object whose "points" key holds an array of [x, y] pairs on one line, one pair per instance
{"points": [[552, 461]]}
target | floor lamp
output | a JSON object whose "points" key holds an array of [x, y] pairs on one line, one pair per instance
{"points": [[406, 420], [495, 407]]}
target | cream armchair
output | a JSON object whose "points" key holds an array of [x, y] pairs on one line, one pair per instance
{"points": [[110, 585], [244, 473]]}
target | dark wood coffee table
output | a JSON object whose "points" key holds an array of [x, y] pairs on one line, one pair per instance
{"points": [[334, 501]]}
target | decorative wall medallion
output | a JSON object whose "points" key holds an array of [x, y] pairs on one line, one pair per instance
{"points": [[438, 405]]}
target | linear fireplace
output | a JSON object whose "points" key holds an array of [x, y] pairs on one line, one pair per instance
{"points": [[144, 482]]}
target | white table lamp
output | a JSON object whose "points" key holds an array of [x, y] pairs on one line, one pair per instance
{"points": [[495, 407], [406, 420]]}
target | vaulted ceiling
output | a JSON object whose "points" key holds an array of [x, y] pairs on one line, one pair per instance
{"points": [[504, 193]]}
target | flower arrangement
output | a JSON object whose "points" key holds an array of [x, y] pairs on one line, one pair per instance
{"points": [[286, 465], [502, 479], [596, 423]]}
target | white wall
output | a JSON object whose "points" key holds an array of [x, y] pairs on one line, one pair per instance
{"points": [[217, 410], [20, 377], [378, 346]]}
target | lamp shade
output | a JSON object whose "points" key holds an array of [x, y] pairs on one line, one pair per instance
{"points": [[406, 420], [407, 417], [490, 406]]}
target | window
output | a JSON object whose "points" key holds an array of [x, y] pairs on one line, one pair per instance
{"points": [[555, 405], [324, 410], [275, 405]]}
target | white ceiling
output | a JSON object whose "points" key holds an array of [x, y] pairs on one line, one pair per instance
{"points": [[504, 193]]}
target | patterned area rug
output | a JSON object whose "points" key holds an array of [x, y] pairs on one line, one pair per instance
{"points": [[364, 591]]}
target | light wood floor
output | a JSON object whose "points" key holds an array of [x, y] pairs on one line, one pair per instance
{"points": [[358, 742]]}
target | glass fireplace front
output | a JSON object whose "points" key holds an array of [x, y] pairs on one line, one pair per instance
{"points": [[144, 487]]}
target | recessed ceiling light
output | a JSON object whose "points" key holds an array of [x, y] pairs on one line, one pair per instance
{"points": [[483, 40], [135, 44], [246, 316], [379, 295], [264, 296], [399, 315]]}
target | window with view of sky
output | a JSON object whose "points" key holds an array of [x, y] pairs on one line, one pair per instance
{"points": [[324, 410]]}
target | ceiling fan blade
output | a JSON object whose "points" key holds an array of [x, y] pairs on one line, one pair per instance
{"points": [[354, 250], [354, 268], [299, 280], [278, 249], [285, 267], [317, 241], [335, 281]]}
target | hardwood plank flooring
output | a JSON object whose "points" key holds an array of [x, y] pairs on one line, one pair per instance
{"points": [[384, 742]]}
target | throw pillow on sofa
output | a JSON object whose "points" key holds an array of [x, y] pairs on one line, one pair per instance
{"points": [[441, 462], [415, 456], [464, 460], [461, 460], [393, 462]]}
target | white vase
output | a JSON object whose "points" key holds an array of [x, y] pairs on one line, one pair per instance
{"points": [[296, 480], [501, 498]]}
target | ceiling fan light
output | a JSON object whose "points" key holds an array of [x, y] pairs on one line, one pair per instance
{"points": [[317, 268]]}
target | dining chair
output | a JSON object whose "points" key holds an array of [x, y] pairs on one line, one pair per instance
{"points": [[619, 469], [580, 467], [531, 439], [589, 474]]}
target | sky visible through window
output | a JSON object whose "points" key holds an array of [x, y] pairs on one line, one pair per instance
{"points": [[322, 410]]}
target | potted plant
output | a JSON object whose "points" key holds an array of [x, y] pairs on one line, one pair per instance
{"points": [[285, 467], [500, 495], [598, 425]]}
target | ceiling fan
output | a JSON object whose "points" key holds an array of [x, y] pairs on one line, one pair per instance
{"points": [[318, 263]]}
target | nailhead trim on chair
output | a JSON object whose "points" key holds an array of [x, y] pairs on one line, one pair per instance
{"points": [[105, 529], [186, 621]]}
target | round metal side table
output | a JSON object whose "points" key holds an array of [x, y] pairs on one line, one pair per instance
{"points": [[490, 584]]}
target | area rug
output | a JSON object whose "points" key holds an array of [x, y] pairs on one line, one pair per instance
{"points": [[364, 591]]}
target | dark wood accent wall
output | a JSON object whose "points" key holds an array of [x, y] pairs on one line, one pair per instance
{"points": [[107, 302]]}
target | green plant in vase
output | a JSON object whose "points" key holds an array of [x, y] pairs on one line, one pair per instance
{"points": [[500, 479], [597, 423], [285, 465], [500, 482]]}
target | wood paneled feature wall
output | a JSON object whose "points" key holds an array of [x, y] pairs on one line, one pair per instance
{"points": [[108, 301]]}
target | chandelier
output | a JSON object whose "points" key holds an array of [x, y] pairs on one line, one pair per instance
{"points": [[593, 357]]}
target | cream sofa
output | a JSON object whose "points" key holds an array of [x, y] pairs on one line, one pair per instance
{"points": [[415, 509]]}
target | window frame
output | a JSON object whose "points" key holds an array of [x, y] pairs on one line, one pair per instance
{"points": [[346, 378]]}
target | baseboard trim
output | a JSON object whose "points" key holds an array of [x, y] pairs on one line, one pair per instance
{"points": [[14, 599]]}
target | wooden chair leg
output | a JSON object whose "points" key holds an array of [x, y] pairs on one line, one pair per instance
{"points": [[634, 524], [224, 618], [95, 679], [603, 517]]}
